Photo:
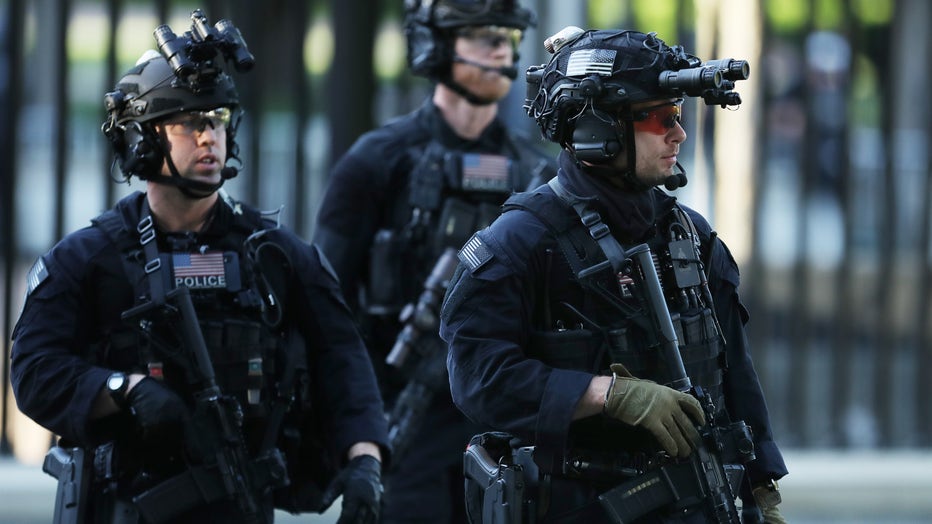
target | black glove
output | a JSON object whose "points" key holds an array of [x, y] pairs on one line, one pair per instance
{"points": [[158, 410], [360, 483]]}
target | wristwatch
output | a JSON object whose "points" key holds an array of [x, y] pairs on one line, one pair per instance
{"points": [[117, 384], [767, 494]]}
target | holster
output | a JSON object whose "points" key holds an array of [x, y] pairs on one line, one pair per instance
{"points": [[70, 467]]}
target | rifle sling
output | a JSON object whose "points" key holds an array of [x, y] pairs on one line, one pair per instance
{"points": [[146, 230], [593, 222]]}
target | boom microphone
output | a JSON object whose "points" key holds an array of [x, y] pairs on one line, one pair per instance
{"points": [[676, 180], [508, 71]]}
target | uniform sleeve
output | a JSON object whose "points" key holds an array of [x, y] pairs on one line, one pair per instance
{"points": [[743, 392], [353, 206], [52, 381], [485, 321], [349, 398]]}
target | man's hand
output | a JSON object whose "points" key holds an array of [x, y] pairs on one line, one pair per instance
{"points": [[767, 497], [360, 483], [671, 416], [158, 410]]}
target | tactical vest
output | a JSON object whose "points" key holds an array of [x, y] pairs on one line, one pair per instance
{"points": [[245, 345], [451, 194], [596, 317]]}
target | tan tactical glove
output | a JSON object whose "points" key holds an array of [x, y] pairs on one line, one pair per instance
{"points": [[671, 416], [767, 497]]}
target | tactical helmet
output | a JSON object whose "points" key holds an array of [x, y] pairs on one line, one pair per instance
{"points": [[582, 98], [187, 75], [430, 26], [151, 91]]}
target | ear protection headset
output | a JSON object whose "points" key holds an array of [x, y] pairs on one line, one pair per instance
{"points": [[136, 148], [598, 136], [429, 51], [575, 114], [141, 153]]}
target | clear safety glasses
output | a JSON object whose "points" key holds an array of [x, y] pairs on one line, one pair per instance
{"points": [[191, 122], [491, 37]]}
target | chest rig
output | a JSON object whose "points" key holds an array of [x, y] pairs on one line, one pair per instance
{"points": [[451, 194], [238, 313], [599, 316]]}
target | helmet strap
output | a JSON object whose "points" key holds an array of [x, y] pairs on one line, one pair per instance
{"points": [[190, 188], [465, 93]]}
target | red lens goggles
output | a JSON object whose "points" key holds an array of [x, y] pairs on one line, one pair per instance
{"points": [[659, 119]]}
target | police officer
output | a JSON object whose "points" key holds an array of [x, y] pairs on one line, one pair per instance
{"points": [[550, 340], [406, 192], [292, 394]]}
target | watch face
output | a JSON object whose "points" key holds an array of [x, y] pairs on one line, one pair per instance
{"points": [[116, 382]]}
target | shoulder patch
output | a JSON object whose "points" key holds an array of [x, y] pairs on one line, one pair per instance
{"points": [[474, 254], [37, 274]]}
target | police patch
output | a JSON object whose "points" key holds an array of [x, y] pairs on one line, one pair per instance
{"points": [[482, 172], [37, 274], [199, 270], [474, 254]]}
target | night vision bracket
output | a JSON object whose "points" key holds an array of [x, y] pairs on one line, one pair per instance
{"points": [[193, 54]]}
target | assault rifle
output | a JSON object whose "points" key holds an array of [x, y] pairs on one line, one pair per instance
{"points": [[709, 477], [219, 465], [429, 372]]}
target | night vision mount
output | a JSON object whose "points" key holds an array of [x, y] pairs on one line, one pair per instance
{"points": [[684, 75], [713, 80], [192, 55]]}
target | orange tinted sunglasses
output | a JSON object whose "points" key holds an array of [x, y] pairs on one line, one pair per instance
{"points": [[659, 119]]}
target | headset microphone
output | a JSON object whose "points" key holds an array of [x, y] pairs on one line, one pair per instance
{"points": [[676, 180], [508, 71], [228, 172]]}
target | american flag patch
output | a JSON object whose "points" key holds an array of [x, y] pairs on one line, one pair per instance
{"points": [[474, 253], [199, 270], [482, 172], [37, 274], [591, 61]]}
